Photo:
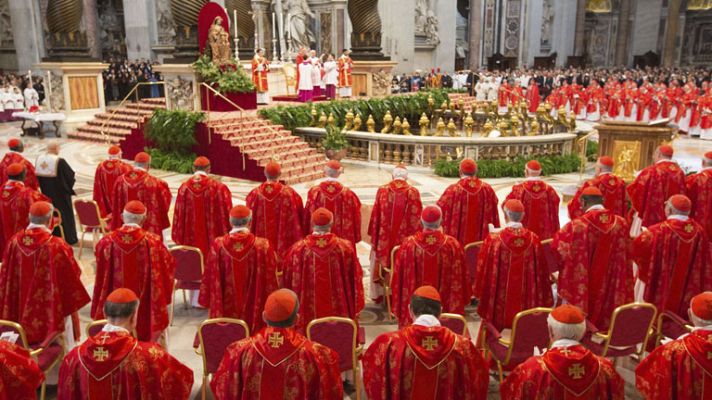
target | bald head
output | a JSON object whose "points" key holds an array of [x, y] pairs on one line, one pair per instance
{"points": [[53, 148]]}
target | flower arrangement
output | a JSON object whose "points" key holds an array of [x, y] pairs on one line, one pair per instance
{"points": [[229, 77]]}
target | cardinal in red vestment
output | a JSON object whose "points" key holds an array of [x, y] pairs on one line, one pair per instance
{"points": [[338, 199], [240, 273], [699, 190], [541, 202], [324, 271], [20, 376], [137, 259], [40, 283], [612, 187], [674, 259], [138, 184], [469, 206], [432, 258], [114, 364], [13, 156], [594, 260], [278, 362], [682, 368], [654, 185], [566, 371], [105, 177], [512, 274], [202, 209], [424, 361], [276, 211], [395, 216], [15, 201]]}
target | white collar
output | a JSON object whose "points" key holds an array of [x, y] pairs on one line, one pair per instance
{"points": [[140, 169], [596, 207], [664, 160], [239, 230], [679, 217], [37, 226], [200, 173], [330, 179], [315, 233], [533, 178], [564, 343], [512, 224], [702, 328], [426, 320], [12, 180], [113, 328], [133, 226], [605, 173]]}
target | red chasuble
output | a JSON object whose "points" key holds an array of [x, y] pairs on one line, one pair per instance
{"points": [[512, 276], [151, 191], [699, 190], [40, 283], [278, 363], [15, 202], [653, 187], [595, 264], [614, 196], [569, 373], [681, 369], [240, 273], [468, 207], [104, 179], [114, 365], [675, 264], [435, 259], [276, 215], [421, 363], [20, 377], [541, 207], [135, 259], [342, 202], [202, 212], [395, 216], [325, 273], [259, 78], [12, 158]]}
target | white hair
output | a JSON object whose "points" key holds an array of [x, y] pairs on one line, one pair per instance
{"points": [[432, 226], [533, 172], [41, 219], [560, 330], [671, 210], [605, 168], [131, 218], [141, 165], [331, 172], [322, 229], [240, 222], [514, 216], [697, 321], [400, 173]]}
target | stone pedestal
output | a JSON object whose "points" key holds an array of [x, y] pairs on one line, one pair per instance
{"points": [[76, 89], [182, 86], [372, 78]]}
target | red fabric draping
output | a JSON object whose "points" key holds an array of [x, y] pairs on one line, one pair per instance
{"points": [[207, 15]]}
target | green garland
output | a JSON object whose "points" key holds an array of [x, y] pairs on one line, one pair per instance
{"points": [[172, 133], [550, 165], [229, 77]]}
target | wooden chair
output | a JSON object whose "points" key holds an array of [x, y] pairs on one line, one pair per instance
{"points": [[48, 353], [455, 322], [630, 329], [90, 220], [342, 335], [189, 271], [215, 335]]}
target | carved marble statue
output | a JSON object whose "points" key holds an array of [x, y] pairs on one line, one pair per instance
{"points": [[219, 42], [426, 23], [547, 23], [180, 93], [300, 15], [164, 22], [6, 39], [431, 32]]}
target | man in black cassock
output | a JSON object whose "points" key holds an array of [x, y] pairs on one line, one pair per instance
{"points": [[57, 182]]}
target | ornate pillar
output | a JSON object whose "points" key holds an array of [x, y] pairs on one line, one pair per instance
{"points": [[623, 33], [580, 28], [474, 30], [91, 27], [185, 22], [366, 30], [673, 20]]}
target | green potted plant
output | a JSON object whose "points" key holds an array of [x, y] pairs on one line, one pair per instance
{"points": [[335, 143]]}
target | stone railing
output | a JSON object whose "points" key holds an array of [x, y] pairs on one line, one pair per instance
{"points": [[425, 150]]}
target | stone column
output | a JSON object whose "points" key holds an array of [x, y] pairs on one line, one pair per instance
{"points": [[366, 33], [474, 29], [23, 34], [90, 18], [623, 33], [673, 19], [580, 27], [137, 25]]}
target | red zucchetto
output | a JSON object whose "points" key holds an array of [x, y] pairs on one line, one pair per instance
{"points": [[122, 296], [427, 292], [15, 169], [568, 314], [114, 150], [142, 158], [431, 214], [201, 162], [514, 205], [334, 164], [40, 208], [592, 191], [135, 207], [606, 160], [322, 217], [701, 306], [273, 169], [240, 212], [280, 305], [468, 166], [13, 142], [534, 165], [666, 150], [681, 202]]}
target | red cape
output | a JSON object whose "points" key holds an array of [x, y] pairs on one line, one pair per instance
{"points": [[512, 276], [104, 179], [541, 207], [653, 187], [468, 207], [277, 362], [699, 190], [240, 273], [421, 363], [202, 212], [114, 364], [326, 274], [276, 215], [151, 191], [20, 376], [40, 283], [614, 196], [595, 264], [12, 158], [15, 201], [430, 258], [136, 259], [342, 202]]}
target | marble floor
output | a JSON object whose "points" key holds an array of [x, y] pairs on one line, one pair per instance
{"points": [[363, 178]]}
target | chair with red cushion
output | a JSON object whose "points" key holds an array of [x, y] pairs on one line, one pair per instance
{"points": [[529, 330], [672, 326], [549, 255], [189, 271], [48, 353], [95, 327], [472, 250], [455, 322], [630, 329], [341, 335], [90, 221], [215, 335]]}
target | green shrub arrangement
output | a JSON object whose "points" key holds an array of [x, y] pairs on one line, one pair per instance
{"points": [[592, 151], [181, 163], [335, 139], [550, 165], [230, 77], [172, 133]]}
